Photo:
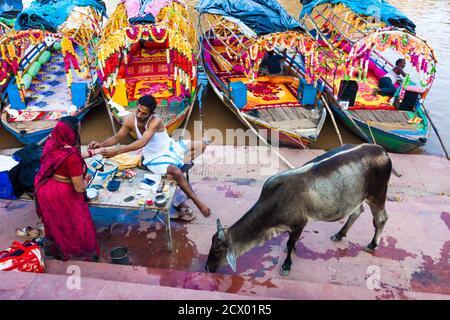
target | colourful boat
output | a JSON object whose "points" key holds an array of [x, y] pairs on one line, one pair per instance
{"points": [[368, 37], [236, 37], [50, 71], [149, 50], [8, 12]]}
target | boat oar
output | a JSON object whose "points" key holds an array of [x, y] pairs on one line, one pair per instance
{"points": [[332, 119], [265, 141], [437, 133]]}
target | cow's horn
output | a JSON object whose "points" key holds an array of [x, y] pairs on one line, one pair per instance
{"points": [[219, 225], [220, 230]]}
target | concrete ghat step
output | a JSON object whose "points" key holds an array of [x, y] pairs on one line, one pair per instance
{"points": [[256, 287], [32, 286]]}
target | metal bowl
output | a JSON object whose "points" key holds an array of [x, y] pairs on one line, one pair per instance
{"points": [[160, 200]]}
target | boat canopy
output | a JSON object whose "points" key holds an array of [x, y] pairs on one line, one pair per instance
{"points": [[9, 9], [379, 9], [171, 29], [262, 16], [51, 14]]}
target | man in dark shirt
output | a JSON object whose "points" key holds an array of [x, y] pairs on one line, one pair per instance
{"points": [[272, 63]]}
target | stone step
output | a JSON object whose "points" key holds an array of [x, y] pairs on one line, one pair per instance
{"points": [[45, 286], [254, 287]]}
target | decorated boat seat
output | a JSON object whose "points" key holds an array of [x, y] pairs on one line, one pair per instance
{"points": [[79, 92], [14, 97], [308, 92], [239, 93], [176, 105]]}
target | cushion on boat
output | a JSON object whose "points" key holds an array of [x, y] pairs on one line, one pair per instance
{"points": [[239, 93], [57, 46], [26, 80], [307, 92], [14, 97], [416, 89], [79, 93], [281, 79], [34, 69], [45, 56], [176, 105]]}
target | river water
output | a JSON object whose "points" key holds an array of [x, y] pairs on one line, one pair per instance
{"points": [[432, 18]]}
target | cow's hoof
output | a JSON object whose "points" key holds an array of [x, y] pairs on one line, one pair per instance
{"points": [[284, 272], [369, 249], [336, 237]]}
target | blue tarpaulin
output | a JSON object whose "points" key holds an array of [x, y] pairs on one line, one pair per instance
{"points": [[262, 16], [381, 8], [10, 8], [50, 14]]}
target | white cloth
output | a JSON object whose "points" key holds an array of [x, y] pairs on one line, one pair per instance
{"points": [[161, 151], [7, 163], [173, 155]]}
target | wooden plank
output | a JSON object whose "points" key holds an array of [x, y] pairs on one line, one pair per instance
{"points": [[392, 125], [299, 113], [284, 114], [292, 115], [265, 115], [294, 124], [275, 114]]}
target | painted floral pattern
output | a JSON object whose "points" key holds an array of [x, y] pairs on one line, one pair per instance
{"points": [[265, 90], [153, 88]]}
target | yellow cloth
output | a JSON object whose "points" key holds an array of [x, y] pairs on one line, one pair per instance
{"points": [[158, 88], [120, 94], [262, 92], [127, 161]]}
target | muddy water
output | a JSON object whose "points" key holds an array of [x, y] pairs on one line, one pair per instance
{"points": [[431, 18]]}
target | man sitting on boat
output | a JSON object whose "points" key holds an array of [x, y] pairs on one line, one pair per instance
{"points": [[160, 153], [387, 83], [272, 63]]}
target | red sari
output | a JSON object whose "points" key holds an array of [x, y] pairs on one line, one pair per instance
{"points": [[64, 211]]}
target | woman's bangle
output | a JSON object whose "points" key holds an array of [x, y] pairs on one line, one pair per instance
{"points": [[91, 153]]}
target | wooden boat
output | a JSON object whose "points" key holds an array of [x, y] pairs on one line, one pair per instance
{"points": [[7, 18], [53, 73], [8, 12], [234, 43], [369, 45], [154, 54]]}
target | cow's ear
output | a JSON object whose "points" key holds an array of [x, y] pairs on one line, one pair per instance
{"points": [[231, 258]]}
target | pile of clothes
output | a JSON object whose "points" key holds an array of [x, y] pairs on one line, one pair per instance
{"points": [[17, 172]]}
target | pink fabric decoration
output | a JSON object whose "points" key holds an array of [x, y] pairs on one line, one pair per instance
{"points": [[155, 6], [133, 7]]}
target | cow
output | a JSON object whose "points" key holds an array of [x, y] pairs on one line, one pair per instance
{"points": [[328, 188]]}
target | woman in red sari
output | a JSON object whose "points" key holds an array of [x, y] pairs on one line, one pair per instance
{"points": [[59, 189]]}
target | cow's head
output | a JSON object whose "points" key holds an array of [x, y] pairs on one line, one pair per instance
{"points": [[221, 250]]}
